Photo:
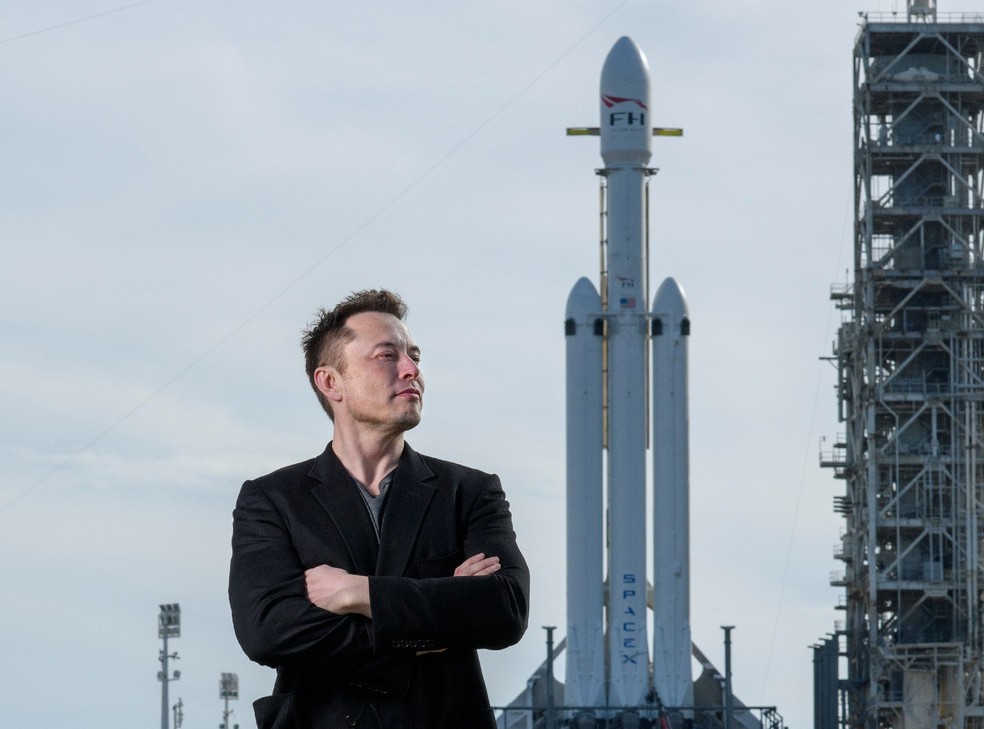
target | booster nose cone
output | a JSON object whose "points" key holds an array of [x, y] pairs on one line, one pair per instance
{"points": [[626, 127], [583, 300], [670, 303]]}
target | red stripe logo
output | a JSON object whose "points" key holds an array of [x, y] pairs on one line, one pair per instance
{"points": [[610, 101]]}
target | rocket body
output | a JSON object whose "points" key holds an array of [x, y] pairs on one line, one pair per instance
{"points": [[626, 139]]}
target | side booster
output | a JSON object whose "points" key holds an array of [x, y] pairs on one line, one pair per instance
{"points": [[672, 676]]}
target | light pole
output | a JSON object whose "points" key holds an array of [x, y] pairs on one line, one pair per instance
{"points": [[168, 626], [228, 689]]}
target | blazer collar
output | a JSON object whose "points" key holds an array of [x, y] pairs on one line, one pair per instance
{"points": [[336, 491], [407, 500]]}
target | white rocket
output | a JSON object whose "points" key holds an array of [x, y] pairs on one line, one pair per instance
{"points": [[607, 386]]}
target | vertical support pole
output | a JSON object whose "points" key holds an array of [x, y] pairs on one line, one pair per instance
{"points": [[729, 697], [550, 677], [164, 674]]}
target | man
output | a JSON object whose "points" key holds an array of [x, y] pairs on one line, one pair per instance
{"points": [[369, 576]]}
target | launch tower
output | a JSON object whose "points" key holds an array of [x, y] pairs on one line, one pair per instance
{"points": [[910, 358]]}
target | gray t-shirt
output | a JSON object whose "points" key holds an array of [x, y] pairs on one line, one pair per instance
{"points": [[375, 504]]}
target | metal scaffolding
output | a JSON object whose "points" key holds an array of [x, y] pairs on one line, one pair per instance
{"points": [[910, 358]]}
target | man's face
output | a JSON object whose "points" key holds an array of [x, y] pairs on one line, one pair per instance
{"points": [[380, 385]]}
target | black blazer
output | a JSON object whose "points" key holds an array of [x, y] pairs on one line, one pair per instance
{"points": [[349, 671]]}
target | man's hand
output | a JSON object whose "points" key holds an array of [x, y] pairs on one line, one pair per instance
{"points": [[336, 591], [471, 567], [477, 565]]}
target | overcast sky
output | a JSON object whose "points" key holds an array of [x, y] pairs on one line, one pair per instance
{"points": [[184, 182]]}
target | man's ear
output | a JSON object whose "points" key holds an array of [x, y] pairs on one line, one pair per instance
{"points": [[326, 379]]}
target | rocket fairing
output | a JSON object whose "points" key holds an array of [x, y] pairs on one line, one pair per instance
{"points": [[626, 141], [626, 130], [672, 677], [585, 682]]}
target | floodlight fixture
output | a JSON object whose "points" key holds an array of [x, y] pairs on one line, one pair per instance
{"points": [[169, 621], [229, 686]]}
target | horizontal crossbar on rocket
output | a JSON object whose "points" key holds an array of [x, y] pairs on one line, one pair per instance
{"points": [[596, 132]]}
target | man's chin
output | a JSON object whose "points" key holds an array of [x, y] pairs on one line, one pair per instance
{"points": [[410, 422]]}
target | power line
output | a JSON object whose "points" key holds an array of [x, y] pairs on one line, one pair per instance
{"points": [[67, 23]]}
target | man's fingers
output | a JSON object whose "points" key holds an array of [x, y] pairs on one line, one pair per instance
{"points": [[472, 560], [471, 565], [493, 566], [477, 565]]}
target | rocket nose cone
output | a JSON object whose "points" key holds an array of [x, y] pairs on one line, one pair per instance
{"points": [[670, 300], [626, 70], [625, 125]]}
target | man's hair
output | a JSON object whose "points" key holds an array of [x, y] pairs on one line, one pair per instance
{"points": [[325, 339]]}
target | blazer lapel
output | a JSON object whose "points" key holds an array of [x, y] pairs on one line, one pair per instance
{"points": [[407, 501], [336, 491]]}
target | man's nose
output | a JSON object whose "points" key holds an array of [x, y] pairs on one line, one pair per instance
{"points": [[409, 368]]}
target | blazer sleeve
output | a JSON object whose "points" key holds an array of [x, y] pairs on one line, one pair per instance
{"points": [[491, 611], [274, 621]]}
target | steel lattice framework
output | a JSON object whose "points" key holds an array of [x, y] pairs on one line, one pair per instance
{"points": [[910, 357]]}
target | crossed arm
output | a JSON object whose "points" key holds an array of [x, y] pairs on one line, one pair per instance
{"points": [[286, 614], [335, 590]]}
